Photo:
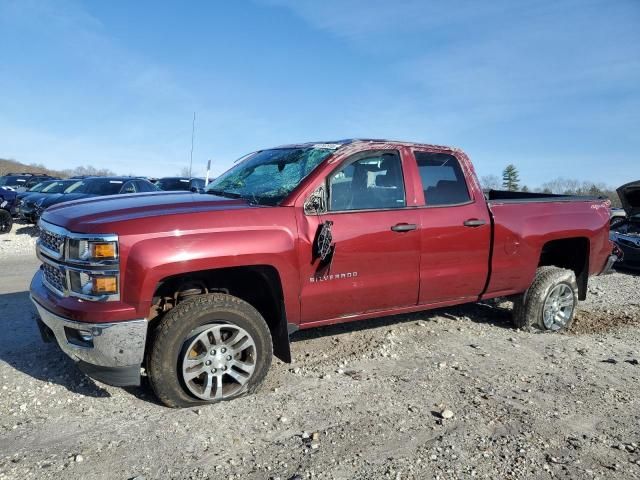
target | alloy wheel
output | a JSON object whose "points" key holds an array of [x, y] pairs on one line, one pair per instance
{"points": [[217, 361]]}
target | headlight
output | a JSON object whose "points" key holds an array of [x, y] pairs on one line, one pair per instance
{"points": [[93, 283], [92, 251]]}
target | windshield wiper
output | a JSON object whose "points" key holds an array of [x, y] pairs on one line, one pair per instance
{"points": [[222, 193]]}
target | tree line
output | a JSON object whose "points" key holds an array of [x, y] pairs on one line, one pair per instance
{"points": [[564, 186], [13, 166]]}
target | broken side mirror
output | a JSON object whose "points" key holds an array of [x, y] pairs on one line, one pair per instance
{"points": [[316, 203], [323, 243]]}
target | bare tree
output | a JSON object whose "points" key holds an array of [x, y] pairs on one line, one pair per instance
{"points": [[490, 182], [566, 186], [89, 170]]}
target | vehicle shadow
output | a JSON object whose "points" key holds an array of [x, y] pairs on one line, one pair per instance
{"points": [[489, 312], [27, 229], [144, 392], [22, 349], [625, 270]]}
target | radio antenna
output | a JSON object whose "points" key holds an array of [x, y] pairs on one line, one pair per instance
{"points": [[193, 129]]}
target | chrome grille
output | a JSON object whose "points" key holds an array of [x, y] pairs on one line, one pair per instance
{"points": [[54, 277], [51, 241], [63, 271]]}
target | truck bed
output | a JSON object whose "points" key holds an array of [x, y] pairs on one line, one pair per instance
{"points": [[526, 225], [506, 196]]}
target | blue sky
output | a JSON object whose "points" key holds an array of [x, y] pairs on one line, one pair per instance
{"points": [[551, 86]]}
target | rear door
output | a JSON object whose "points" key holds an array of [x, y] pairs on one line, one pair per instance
{"points": [[455, 231], [374, 262]]}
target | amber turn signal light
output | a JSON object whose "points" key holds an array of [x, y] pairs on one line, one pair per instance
{"points": [[103, 250], [104, 284]]}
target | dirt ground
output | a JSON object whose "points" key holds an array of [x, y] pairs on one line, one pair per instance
{"points": [[361, 401]]}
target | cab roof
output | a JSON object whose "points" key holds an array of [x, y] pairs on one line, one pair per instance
{"points": [[354, 141]]}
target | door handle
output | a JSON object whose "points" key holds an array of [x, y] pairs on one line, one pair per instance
{"points": [[404, 227], [474, 222]]}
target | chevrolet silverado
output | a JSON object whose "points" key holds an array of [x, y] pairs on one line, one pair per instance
{"points": [[197, 291]]}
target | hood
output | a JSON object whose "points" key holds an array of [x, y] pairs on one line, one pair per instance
{"points": [[630, 197], [93, 214], [34, 195], [22, 195], [53, 198], [31, 197]]}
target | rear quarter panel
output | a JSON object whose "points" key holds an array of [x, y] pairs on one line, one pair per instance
{"points": [[522, 229]]}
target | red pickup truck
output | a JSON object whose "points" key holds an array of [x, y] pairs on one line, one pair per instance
{"points": [[199, 290]]}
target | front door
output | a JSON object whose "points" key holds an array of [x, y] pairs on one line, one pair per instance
{"points": [[373, 262]]}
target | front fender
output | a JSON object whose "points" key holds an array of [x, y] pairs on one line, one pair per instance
{"points": [[151, 260]]}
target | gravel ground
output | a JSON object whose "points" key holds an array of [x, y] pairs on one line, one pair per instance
{"points": [[453, 393], [21, 240]]}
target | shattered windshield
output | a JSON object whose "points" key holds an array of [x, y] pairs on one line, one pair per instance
{"points": [[268, 176]]}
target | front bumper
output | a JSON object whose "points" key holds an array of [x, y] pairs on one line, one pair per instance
{"points": [[631, 258], [28, 213], [109, 352]]}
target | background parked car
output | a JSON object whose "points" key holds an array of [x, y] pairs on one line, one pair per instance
{"points": [[617, 215], [26, 206], [21, 182], [7, 206], [35, 189], [625, 232], [192, 184], [93, 187]]}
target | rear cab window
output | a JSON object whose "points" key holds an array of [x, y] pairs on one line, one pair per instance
{"points": [[443, 180]]}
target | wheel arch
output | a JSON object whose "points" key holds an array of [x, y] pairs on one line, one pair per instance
{"points": [[259, 285], [571, 253]]}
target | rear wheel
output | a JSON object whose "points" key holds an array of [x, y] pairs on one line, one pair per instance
{"points": [[550, 303], [6, 222], [209, 348]]}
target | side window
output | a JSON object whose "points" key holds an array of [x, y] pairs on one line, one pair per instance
{"points": [[443, 181], [371, 180], [197, 183], [141, 186], [128, 187], [32, 181]]}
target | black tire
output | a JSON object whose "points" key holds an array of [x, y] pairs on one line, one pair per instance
{"points": [[528, 308], [171, 336], [6, 222]]}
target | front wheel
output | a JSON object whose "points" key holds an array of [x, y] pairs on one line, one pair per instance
{"points": [[209, 348], [6, 222], [550, 303]]}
